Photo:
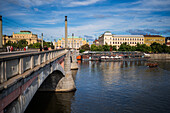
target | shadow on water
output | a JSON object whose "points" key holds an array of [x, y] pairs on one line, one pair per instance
{"points": [[50, 102]]}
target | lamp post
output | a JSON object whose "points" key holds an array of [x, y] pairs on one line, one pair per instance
{"points": [[66, 40], [42, 40], [0, 31]]}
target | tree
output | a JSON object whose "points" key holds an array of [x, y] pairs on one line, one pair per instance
{"points": [[94, 47], [114, 48], [106, 47], [100, 48], [22, 43], [35, 45], [85, 47], [82, 50], [124, 47], [156, 47]]}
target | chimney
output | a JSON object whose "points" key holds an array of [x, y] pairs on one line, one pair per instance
{"points": [[66, 40]]}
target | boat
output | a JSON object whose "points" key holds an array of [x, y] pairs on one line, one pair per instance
{"points": [[151, 65]]}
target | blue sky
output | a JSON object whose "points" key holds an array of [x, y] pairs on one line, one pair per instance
{"points": [[86, 18]]}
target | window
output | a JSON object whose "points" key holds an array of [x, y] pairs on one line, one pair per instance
{"points": [[113, 42]]}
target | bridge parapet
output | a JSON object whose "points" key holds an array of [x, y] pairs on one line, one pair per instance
{"points": [[14, 65], [22, 75]]}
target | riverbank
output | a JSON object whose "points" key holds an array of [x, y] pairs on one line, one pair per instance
{"points": [[159, 56]]}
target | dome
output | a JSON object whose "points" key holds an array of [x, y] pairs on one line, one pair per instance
{"points": [[107, 33]]}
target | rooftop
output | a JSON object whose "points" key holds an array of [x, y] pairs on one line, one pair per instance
{"points": [[152, 36], [24, 32], [107, 33], [127, 35]]}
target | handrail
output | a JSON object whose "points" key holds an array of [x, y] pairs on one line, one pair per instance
{"points": [[13, 65], [10, 57]]}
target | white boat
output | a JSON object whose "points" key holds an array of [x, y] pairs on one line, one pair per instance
{"points": [[103, 57]]}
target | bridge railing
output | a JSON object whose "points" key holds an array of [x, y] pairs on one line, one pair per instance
{"points": [[17, 64]]}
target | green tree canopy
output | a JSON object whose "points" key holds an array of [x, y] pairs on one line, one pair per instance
{"points": [[85, 47], [94, 47]]}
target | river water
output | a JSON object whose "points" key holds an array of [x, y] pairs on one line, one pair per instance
{"points": [[111, 87]]}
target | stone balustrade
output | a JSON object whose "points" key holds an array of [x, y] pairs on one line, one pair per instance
{"points": [[17, 64]]}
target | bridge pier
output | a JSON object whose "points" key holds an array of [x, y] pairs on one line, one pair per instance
{"points": [[74, 65], [66, 84]]}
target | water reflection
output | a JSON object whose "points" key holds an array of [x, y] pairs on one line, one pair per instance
{"points": [[111, 87]]}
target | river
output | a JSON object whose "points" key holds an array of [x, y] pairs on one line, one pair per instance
{"points": [[111, 87]]}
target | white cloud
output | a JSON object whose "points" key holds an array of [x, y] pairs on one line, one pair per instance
{"points": [[36, 9], [51, 21], [83, 3]]}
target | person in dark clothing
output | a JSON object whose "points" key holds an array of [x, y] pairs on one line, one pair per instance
{"points": [[45, 48], [40, 48]]}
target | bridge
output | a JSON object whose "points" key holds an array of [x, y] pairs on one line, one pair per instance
{"points": [[21, 75]]}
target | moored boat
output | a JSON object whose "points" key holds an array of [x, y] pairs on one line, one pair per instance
{"points": [[152, 65]]}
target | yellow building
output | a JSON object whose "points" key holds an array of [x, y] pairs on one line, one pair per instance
{"points": [[149, 39], [76, 42], [28, 35], [117, 40]]}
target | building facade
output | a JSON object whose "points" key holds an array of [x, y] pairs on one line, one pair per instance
{"points": [[96, 42], [75, 42], [27, 35], [149, 39], [167, 41], [132, 40], [117, 40]]}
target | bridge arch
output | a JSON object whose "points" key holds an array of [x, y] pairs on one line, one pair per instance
{"points": [[50, 83]]}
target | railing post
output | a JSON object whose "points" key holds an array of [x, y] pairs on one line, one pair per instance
{"points": [[39, 59], [20, 66], [45, 57], [2, 72], [32, 62], [3, 77], [51, 55]]}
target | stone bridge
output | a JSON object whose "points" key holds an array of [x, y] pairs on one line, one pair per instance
{"points": [[21, 75]]}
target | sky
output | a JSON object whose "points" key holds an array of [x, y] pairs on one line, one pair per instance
{"points": [[86, 18]]}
